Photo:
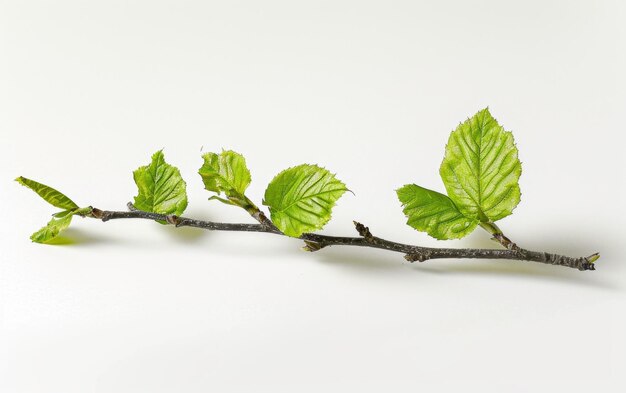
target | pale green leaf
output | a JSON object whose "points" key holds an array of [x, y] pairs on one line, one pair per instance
{"points": [[59, 223], [481, 170], [49, 194], [161, 188], [301, 198], [52, 229], [434, 213], [225, 172]]}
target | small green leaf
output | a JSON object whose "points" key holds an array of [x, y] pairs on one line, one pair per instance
{"points": [[226, 172], [49, 194], [301, 198], [59, 223], [161, 188], [481, 170], [434, 213], [52, 229]]}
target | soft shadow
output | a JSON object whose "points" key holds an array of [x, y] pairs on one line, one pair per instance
{"points": [[524, 269], [75, 236], [61, 241], [187, 235], [360, 261]]}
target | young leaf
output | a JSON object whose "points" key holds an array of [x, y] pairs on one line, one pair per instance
{"points": [[301, 198], [52, 229], [161, 188], [481, 170], [226, 172], [49, 194], [434, 213], [60, 222]]}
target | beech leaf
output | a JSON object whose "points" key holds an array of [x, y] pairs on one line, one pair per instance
{"points": [[481, 170], [301, 198], [225, 173], [52, 229], [434, 213], [49, 194], [162, 190]]}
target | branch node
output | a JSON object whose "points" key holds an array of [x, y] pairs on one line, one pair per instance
{"points": [[97, 213], [311, 246], [417, 257], [181, 222], [364, 231], [266, 222], [173, 220], [505, 242]]}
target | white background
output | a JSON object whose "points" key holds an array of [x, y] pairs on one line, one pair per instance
{"points": [[371, 90]]}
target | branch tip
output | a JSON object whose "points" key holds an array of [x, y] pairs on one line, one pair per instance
{"points": [[588, 266], [593, 257]]}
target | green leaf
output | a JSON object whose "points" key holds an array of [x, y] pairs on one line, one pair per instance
{"points": [[226, 172], [301, 198], [61, 219], [481, 170], [49, 194], [59, 223], [52, 229], [161, 188], [434, 213]]}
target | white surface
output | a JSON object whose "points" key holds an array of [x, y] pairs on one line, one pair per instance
{"points": [[88, 90]]}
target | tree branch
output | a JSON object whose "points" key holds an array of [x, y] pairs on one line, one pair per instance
{"points": [[315, 242]]}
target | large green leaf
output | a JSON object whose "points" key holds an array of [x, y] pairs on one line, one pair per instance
{"points": [[481, 170], [52, 229], [301, 198], [161, 188], [434, 213], [49, 194], [226, 172]]}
